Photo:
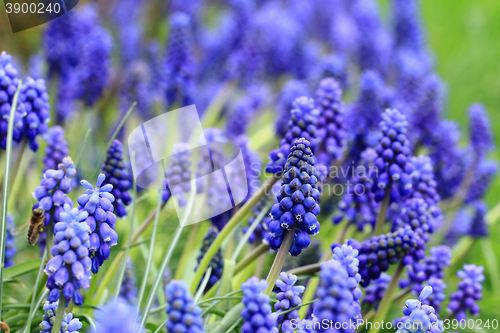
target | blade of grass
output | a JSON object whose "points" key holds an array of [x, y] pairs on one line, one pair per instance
{"points": [[161, 326], [249, 232], [129, 241], [5, 193], [113, 137], [151, 250], [82, 147], [228, 228], [27, 328], [168, 254], [203, 285]]}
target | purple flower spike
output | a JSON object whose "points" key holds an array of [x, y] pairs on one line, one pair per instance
{"points": [[298, 201], [69, 269], [95, 206], [257, 315], [69, 324], [469, 291], [288, 297]]}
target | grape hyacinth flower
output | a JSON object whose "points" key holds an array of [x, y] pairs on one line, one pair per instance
{"points": [[485, 173], [297, 203], [423, 183], [8, 87], [393, 149], [179, 65], [128, 290], [374, 48], [425, 119], [69, 324], [98, 203], [302, 124], [247, 62], [412, 69], [432, 266], [94, 65], [335, 299], [407, 30], [69, 268], [116, 171], [376, 290], [239, 119], [365, 114], [379, 252], [347, 256], [288, 297], [62, 44], [217, 261], [448, 158], [257, 315], [358, 205], [35, 101], [469, 291], [420, 317], [414, 214], [291, 91], [479, 227], [117, 317], [331, 66], [57, 148], [438, 296], [137, 86], [481, 137], [183, 314], [332, 131], [52, 194], [10, 242]]}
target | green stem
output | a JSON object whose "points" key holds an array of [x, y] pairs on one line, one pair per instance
{"points": [[386, 301], [212, 112], [279, 260], [168, 254], [233, 316], [56, 328], [5, 198], [306, 270], [17, 162], [163, 267], [249, 258], [186, 252], [129, 241], [226, 231], [27, 328], [82, 148], [151, 250], [379, 226], [110, 272], [113, 137], [308, 295], [243, 241], [203, 285], [491, 261]]}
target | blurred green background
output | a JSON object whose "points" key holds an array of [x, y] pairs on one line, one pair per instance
{"points": [[465, 38]]}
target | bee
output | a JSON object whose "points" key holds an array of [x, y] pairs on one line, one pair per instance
{"points": [[36, 225]]}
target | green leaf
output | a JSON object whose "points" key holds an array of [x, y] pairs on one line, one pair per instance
{"points": [[20, 269], [5, 190]]}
